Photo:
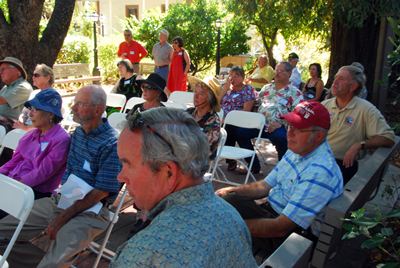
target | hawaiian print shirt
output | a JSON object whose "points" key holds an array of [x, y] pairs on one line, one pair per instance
{"points": [[234, 100], [274, 103]]}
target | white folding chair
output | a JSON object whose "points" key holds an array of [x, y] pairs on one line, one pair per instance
{"points": [[11, 139], [2, 133], [222, 139], [244, 120], [182, 97], [117, 121], [116, 100], [221, 114], [176, 105], [22, 201], [132, 102]]}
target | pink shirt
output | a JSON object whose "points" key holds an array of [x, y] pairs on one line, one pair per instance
{"points": [[39, 161]]}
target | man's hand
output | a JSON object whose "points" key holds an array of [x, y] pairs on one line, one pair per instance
{"points": [[225, 191], [351, 155], [55, 225]]}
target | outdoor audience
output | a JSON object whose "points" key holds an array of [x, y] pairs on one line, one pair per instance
{"points": [[153, 93], [69, 221], [180, 65], [357, 124], [295, 77], [131, 50], [40, 158], [164, 156], [162, 52], [236, 95], [15, 92], [42, 78], [262, 74], [127, 84], [206, 105], [299, 186], [313, 89]]}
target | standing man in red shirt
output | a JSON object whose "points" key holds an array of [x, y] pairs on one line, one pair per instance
{"points": [[131, 50]]}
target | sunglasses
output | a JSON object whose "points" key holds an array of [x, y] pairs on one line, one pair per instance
{"points": [[148, 87], [33, 109], [37, 75], [138, 122]]}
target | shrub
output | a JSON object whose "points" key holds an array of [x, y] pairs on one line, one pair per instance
{"points": [[76, 49], [108, 61]]}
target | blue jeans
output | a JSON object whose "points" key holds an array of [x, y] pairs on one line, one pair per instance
{"points": [[243, 137], [162, 71]]}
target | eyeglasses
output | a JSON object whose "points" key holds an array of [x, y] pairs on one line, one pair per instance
{"points": [[81, 104], [128, 35], [175, 42], [149, 87], [138, 122], [37, 75], [33, 109]]}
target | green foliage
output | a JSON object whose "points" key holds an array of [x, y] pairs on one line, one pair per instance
{"points": [[108, 61], [4, 8], [76, 49], [195, 23], [394, 60], [381, 233]]}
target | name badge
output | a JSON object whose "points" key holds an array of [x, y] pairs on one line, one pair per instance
{"points": [[131, 52], [283, 101], [180, 53], [43, 145], [126, 82], [86, 166]]}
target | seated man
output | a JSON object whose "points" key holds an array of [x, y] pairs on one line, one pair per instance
{"points": [[297, 189], [262, 74], [356, 123], [15, 92], [164, 156], [92, 162]]}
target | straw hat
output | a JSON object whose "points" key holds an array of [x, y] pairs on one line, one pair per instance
{"points": [[15, 62], [212, 84]]}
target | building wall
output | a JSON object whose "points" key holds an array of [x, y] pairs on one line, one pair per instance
{"points": [[114, 11]]}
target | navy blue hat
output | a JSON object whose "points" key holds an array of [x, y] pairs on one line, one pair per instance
{"points": [[47, 100]]}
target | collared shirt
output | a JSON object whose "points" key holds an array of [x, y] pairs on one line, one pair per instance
{"points": [[134, 51], [16, 94], [162, 53], [39, 161], [190, 228], [265, 72], [357, 122], [234, 100], [303, 185], [295, 78], [276, 102], [93, 157]]}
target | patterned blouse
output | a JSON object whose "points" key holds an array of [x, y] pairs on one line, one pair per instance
{"points": [[274, 103], [211, 126], [234, 100]]}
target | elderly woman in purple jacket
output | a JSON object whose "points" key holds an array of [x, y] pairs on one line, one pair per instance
{"points": [[40, 158]]}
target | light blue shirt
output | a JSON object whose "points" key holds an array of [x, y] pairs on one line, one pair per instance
{"points": [[295, 78], [303, 186], [190, 228]]}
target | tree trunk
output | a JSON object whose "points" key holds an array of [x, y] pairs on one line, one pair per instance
{"points": [[20, 37], [349, 44]]}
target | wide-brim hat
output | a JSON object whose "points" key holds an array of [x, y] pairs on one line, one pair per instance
{"points": [[157, 82], [15, 62], [212, 85], [47, 100]]}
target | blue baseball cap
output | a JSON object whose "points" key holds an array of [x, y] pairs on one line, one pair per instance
{"points": [[47, 100]]}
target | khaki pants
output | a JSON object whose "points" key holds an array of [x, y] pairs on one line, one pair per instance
{"points": [[71, 239]]}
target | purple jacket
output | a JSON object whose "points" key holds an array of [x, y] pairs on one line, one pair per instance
{"points": [[39, 161]]}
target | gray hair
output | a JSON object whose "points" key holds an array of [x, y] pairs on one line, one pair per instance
{"points": [[164, 32], [188, 146], [288, 67], [46, 71], [357, 75]]}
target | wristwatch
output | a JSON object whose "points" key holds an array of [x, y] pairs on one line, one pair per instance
{"points": [[363, 145]]}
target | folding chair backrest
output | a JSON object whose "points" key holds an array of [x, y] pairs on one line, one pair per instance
{"points": [[2, 133], [116, 100], [181, 97], [117, 120], [245, 119], [176, 105], [17, 200], [221, 114], [222, 139], [11, 139], [132, 102]]}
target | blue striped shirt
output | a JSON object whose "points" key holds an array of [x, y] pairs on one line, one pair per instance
{"points": [[93, 157], [303, 186]]}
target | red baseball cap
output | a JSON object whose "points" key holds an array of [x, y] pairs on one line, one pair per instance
{"points": [[308, 114]]}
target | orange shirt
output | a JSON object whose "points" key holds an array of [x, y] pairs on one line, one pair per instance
{"points": [[132, 51]]}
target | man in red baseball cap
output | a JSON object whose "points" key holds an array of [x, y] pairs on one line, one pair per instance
{"points": [[298, 188]]}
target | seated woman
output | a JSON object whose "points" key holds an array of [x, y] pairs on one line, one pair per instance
{"points": [[153, 93], [206, 106], [40, 158], [236, 96], [314, 88]]}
